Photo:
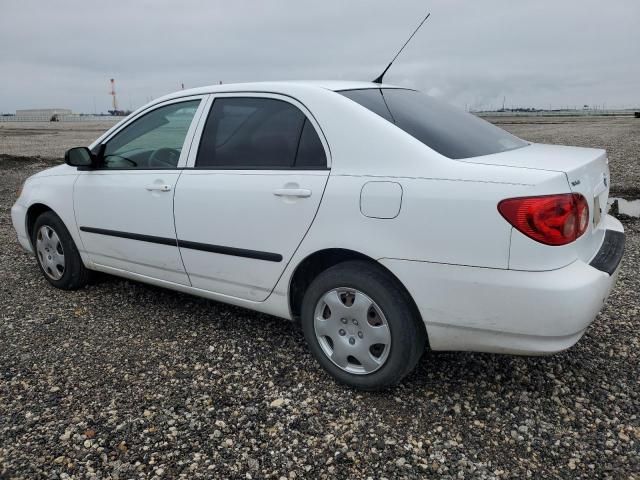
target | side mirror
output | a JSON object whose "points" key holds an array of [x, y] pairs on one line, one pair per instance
{"points": [[79, 157]]}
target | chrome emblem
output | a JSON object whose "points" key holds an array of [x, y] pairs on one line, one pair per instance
{"points": [[575, 183]]}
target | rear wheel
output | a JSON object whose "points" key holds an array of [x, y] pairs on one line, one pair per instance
{"points": [[361, 325], [56, 253]]}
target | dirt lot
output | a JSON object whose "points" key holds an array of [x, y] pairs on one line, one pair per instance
{"points": [[48, 139], [124, 380]]}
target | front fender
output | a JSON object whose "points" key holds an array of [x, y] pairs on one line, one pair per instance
{"points": [[56, 194]]}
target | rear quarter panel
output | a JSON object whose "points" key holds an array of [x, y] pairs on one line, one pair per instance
{"points": [[440, 220]]}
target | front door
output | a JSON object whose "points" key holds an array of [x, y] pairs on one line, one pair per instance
{"points": [[257, 182], [124, 209]]}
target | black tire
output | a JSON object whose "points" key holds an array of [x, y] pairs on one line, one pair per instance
{"points": [[75, 274], [408, 335]]}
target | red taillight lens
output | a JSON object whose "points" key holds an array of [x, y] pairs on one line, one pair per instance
{"points": [[549, 219]]}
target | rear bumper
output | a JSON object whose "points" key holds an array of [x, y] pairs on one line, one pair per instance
{"points": [[610, 254], [506, 311]]}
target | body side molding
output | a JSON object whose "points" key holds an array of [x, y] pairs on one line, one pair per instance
{"points": [[204, 247]]}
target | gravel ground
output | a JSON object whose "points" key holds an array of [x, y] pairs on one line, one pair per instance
{"points": [[124, 380]]}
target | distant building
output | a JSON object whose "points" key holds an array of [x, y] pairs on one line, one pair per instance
{"points": [[43, 112]]}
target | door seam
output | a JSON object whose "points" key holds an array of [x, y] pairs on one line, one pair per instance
{"points": [[175, 228], [205, 100]]}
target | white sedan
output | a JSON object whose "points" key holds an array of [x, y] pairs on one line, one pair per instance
{"points": [[381, 219]]}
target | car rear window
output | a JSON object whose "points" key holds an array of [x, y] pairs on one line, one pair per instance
{"points": [[451, 132]]}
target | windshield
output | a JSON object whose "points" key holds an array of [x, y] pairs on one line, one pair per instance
{"points": [[451, 132]]}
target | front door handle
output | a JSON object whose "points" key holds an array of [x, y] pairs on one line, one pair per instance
{"points": [[158, 188], [292, 192]]}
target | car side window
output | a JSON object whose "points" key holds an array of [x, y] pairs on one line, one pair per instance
{"points": [[152, 141], [258, 133], [310, 150]]}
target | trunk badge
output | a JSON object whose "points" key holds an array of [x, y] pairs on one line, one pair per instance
{"points": [[575, 183]]}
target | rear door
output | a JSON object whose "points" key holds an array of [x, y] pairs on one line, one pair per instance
{"points": [[124, 209], [256, 182]]}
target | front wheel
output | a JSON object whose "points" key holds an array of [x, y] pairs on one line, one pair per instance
{"points": [[361, 325], [56, 253]]}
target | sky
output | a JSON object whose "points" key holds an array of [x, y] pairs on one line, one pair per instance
{"points": [[474, 54]]}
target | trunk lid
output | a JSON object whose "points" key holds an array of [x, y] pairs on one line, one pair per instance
{"points": [[592, 181], [587, 172]]}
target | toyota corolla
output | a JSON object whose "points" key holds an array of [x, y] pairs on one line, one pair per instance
{"points": [[384, 221]]}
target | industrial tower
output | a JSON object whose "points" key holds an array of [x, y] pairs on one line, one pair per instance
{"points": [[113, 95], [112, 92]]}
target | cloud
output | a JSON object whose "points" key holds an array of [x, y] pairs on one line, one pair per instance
{"points": [[62, 54]]}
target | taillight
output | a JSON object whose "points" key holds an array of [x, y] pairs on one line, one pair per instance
{"points": [[548, 219]]}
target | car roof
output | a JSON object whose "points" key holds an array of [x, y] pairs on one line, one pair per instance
{"points": [[276, 87]]}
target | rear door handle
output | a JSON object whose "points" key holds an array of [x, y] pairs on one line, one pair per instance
{"points": [[158, 188], [292, 192]]}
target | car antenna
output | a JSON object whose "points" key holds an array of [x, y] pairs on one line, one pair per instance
{"points": [[379, 79]]}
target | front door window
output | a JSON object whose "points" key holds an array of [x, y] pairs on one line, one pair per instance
{"points": [[152, 141]]}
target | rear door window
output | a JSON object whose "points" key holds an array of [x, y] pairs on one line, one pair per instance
{"points": [[258, 133], [310, 150], [451, 132]]}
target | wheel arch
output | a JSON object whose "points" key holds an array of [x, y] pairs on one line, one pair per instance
{"points": [[317, 262], [33, 212]]}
